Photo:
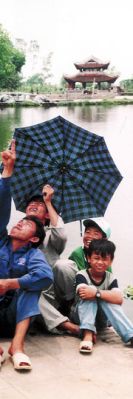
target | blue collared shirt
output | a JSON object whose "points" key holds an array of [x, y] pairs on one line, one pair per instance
{"points": [[27, 264]]}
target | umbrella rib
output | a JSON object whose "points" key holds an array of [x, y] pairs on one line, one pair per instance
{"points": [[74, 169], [95, 171]]}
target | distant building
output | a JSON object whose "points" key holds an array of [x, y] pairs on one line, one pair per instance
{"points": [[21, 45], [91, 71], [34, 59]]}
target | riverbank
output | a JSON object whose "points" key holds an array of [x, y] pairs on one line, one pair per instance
{"points": [[66, 99]]}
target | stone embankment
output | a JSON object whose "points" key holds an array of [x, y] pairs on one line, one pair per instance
{"points": [[66, 98]]}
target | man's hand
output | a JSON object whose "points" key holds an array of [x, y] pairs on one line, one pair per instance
{"points": [[8, 159], [8, 284], [47, 193], [88, 292], [4, 287], [52, 215]]}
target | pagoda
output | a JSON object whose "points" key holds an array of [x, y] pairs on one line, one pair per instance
{"points": [[93, 71]]}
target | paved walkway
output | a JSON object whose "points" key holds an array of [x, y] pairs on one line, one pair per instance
{"points": [[60, 371]]}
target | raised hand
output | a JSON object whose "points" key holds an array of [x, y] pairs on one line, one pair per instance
{"points": [[8, 158], [47, 193]]}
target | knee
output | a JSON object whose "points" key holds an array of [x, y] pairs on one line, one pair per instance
{"points": [[61, 265], [65, 267]]}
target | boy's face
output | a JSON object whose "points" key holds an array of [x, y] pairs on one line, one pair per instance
{"points": [[37, 208], [99, 264], [91, 233]]}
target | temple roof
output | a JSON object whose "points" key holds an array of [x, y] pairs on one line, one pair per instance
{"points": [[92, 63], [85, 77]]}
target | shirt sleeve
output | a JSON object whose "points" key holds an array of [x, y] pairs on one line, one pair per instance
{"points": [[39, 274], [59, 225], [5, 203], [80, 279], [114, 284], [57, 237]]}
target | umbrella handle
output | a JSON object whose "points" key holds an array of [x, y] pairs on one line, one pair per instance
{"points": [[80, 228]]}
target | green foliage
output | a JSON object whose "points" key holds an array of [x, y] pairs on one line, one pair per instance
{"points": [[35, 84], [127, 85], [128, 292], [11, 62], [18, 59]]}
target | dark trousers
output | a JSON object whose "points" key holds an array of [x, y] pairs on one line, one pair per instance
{"points": [[8, 315]]}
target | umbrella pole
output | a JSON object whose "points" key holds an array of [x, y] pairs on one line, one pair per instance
{"points": [[80, 227]]}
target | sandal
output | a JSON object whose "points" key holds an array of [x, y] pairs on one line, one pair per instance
{"points": [[86, 346], [21, 361]]}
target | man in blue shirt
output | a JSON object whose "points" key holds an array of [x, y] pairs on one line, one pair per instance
{"points": [[24, 271]]}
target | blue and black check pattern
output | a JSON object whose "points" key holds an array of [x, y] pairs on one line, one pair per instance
{"points": [[75, 162]]}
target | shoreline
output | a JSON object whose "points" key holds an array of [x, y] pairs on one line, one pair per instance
{"points": [[76, 102], [68, 98]]}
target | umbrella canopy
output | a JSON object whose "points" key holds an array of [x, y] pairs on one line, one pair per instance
{"points": [[74, 161]]}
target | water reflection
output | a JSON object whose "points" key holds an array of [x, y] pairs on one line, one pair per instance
{"points": [[88, 114], [13, 117], [6, 125]]}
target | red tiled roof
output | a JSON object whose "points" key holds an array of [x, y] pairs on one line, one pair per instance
{"points": [[85, 77], [92, 65]]}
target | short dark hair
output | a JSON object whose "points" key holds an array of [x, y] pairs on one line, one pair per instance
{"points": [[37, 197], [101, 247], [40, 233]]}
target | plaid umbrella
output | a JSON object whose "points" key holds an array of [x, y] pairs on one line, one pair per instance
{"points": [[75, 162]]}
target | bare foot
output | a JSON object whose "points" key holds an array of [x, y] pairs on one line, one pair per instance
{"points": [[69, 326], [14, 349]]}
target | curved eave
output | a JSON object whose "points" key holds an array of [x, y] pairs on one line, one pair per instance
{"points": [[84, 77], [92, 65]]}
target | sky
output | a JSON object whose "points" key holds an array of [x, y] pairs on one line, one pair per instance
{"points": [[74, 30]]}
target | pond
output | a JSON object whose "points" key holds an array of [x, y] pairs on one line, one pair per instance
{"points": [[116, 125]]}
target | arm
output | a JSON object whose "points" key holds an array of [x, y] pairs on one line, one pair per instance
{"points": [[8, 284], [8, 159], [84, 290], [57, 238], [47, 193], [113, 296], [39, 275]]}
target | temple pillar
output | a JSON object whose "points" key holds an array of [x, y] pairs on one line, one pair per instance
{"points": [[71, 85], [99, 86], [84, 85]]}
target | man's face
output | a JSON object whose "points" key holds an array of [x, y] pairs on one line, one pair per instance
{"points": [[38, 209], [91, 233], [24, 230], [98, 263]]}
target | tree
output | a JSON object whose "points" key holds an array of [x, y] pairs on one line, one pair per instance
{"points": [[11, 62], [36, 79], [127, 85]]}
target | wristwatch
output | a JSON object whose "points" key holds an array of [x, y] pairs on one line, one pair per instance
{"points": [[98, 294]]}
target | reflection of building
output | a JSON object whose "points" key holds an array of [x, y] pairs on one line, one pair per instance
{"points": [[91, 71], [34, 60]]}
